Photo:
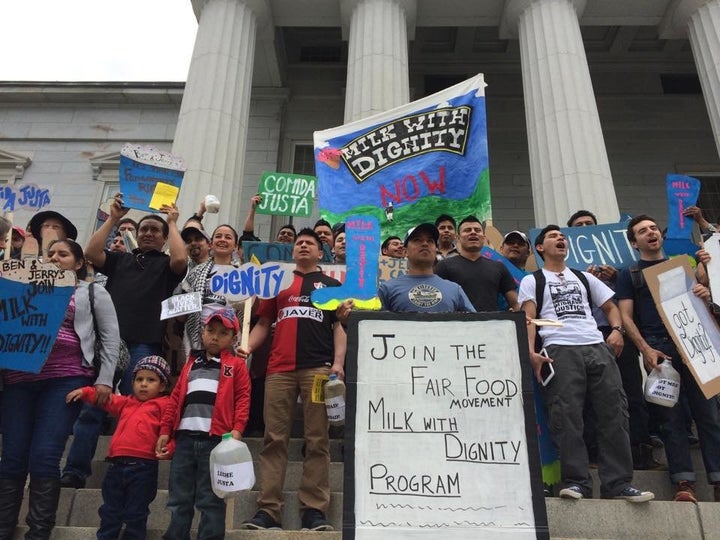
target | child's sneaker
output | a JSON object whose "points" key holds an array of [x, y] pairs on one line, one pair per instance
{"points": [[260, 521], [314, 520], [685, 492], [635, 495], [572, 492]]}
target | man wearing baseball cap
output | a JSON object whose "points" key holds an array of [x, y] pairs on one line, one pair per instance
{"points": [[197, 243], [516, 248], [420, 289]]}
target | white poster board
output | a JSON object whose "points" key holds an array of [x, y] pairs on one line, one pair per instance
{"points": [[443, 442]]}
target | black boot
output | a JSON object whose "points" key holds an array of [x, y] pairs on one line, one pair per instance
{"points": [[43, 503], [643, 459], [11, 495]]}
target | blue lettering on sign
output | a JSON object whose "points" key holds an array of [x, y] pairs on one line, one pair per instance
{"points": [[28, 196], [264, 281]]}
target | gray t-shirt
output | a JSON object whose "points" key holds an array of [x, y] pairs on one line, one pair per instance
{"points": [[430, 294]]}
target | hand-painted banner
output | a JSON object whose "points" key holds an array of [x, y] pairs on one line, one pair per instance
{"points": [[248, 280], [410, 164], [363, 250], [149, 178], [682, 192], [33, 300], [261, 252], [27, 197], [599, 244], [493, 255], [286, 194]]}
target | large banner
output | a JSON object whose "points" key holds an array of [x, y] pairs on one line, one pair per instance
{"points": [[598, 245], [441, 438], [410, 164]]}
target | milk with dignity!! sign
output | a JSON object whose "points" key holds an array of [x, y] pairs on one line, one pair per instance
{"points": [[441, 409], [422, 159]]}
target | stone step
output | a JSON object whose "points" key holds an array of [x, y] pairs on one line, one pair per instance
{"points": [[255, 445], [589, 518], [293, 475]]}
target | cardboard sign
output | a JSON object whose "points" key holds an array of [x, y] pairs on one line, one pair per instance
{"points": [[243, 282], [682, 192], [363, 250], [33, 301], [598, 244], [149, 178], [261, 252], [441, 407], [410, 164], [28, 197], [391, 267], [286, 194], [712, 246], [686, 317], [181, 304]]}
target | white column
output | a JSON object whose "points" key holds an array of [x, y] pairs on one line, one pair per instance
{"points": [[568, 160], [212, 125], [377, 71], [699, 20]]}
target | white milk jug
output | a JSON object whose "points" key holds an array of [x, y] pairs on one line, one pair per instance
{"points": [[663, 385], [231, 468]]}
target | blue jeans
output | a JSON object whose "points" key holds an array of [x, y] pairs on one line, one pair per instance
{"points": [[89, 424], [129, 487], [190, 486], [36, 423], [673, 429]]}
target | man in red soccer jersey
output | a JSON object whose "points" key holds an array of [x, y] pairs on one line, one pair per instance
{"points": [[308, 345]]}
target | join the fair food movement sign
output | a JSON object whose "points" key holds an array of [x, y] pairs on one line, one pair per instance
{"points": [[410, 164], [441, 437]]}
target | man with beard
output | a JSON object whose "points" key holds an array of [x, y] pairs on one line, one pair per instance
{"points": [[585, 368], [480, 278], [646, 329], [516, 248], [197, 243]]}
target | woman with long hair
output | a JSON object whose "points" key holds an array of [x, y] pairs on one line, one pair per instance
{"points": [[36, 422]]}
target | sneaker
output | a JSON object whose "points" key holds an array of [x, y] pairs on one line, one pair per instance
{"points": [[656, 441], [572, 492], [635, 495], [68, 480], [314, 520], [260, 521], [685, 492]]}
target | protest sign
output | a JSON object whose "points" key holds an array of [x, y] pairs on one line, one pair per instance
{"points": [[686, 317], [149, 178], [363, 249], [243, 282], [181, 304], [682, 192], [33, 300], [24, 197], [286, 194], [712, 246], [391, 267], [441, 406], [597, 244], [422, 159]]}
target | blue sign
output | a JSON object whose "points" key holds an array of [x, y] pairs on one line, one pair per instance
{"points": [[595, 245], [261, 252], [140, 183], [33, 301]]}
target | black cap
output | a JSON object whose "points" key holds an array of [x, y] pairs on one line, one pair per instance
{"points": [[423, 227], [38, 219], [190, 229]]}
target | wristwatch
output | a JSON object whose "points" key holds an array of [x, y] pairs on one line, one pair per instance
{"points": [[619, 329]]}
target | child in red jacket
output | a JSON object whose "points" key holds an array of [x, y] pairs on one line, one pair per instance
{"points": [[130, 484], [211, 397]]}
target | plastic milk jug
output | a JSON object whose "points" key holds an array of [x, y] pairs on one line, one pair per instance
{"points": [[212, 204], [663, 385], [231, 468], [335, 401]]}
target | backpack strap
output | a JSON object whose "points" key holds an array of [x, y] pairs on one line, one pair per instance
{"points": [[638, 279], [539, 290]]}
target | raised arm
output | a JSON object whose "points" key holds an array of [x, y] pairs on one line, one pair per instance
{"points": [[95, 249]]}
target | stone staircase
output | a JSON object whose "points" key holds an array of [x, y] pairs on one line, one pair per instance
{"points": [[78, 518]]}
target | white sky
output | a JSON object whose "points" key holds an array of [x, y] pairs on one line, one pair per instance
{"points": [[96, 40]]}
